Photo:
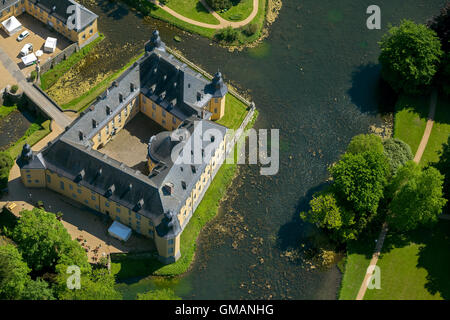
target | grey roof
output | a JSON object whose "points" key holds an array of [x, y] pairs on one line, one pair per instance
{"points": [[59, 9], [159, 196], [7, 3]]}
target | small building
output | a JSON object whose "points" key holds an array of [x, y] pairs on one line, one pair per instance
{"points": [[11, 26], [119, 231], [50, 44], [58, 15]]}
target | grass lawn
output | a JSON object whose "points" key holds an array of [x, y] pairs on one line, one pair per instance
{"points": [[85, 100], [235, 112], [238, 12], [36, 132], [49, 78], [6, 110], [192, 9], [410, 119], [440, 131], [359, 254], [415, 267]]}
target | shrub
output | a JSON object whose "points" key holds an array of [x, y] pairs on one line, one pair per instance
{"points": [[441, 25], [6, 163], [227, 34], [250, 29], [14, 88], [397, 152], [33, 75], [410, 57], [365, 142], [220, 4]]}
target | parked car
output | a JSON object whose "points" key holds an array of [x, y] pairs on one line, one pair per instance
{"points": [[23, 35], [27, 49]]}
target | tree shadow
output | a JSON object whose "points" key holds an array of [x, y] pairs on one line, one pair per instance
{"points": [[113, 9], [370, 92], [201, 8], [291, 234], [434, 257]]}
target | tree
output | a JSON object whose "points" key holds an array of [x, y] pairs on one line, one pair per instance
{"points": [[95, 285], [227, 34], [365, 142], [416, 197], [13, 273], [44, 242], [443, 165], [6, 162], [37, 290], [441, 25], [444, 75], [326, 214], [410, 56], [162, 294], [359, 181], [397, 152]]}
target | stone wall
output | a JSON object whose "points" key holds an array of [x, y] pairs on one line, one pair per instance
{"points": [[63, 55]]}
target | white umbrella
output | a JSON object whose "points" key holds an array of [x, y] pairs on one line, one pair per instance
{"points": [[39, 53]]}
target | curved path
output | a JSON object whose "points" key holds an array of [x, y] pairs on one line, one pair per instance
{"points": [[222, 22], [417, 157]]}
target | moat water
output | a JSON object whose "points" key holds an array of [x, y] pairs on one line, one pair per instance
{"points": [[315, 79]]}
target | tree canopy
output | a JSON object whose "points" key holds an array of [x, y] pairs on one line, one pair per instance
{"points": [[365, 142], [37, 290], [397, 152], [443, 165], [6, 162], [44, 242], [410, 57], [13, 273], [441, 25], [417, 197]]}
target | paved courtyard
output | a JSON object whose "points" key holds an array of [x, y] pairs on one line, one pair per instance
{"points": [[38, 34], [130, 144]]}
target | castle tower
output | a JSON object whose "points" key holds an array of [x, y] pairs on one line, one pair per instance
{"points": [[218, 89], [155, 43]]}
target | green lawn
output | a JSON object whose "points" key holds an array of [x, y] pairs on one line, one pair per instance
{"points": [[410, 119], [49, 78], [359, 254], [238, 12], [415, 267], [6, 110], [36, 132], [235, 112], [192, 9], [440, 131]]}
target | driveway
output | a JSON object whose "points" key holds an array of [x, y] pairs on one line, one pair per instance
{"points": [[38, 34]]}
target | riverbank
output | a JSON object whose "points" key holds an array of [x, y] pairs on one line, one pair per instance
{"points": [[245, 34], [408, 269]]}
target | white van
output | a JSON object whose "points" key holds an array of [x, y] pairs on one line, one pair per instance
{"points": [[27, 49]]}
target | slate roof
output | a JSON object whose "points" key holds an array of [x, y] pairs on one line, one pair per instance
{"points": [[60, 12], [7, 3]]}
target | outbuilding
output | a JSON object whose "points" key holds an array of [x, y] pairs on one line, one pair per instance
{"points": [[50, 44], [11, 26], [119, 231]]}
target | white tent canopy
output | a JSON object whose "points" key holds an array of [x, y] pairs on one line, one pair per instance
{"points": [[50, 44], [29, 59], [11, 25], [119, 231]]}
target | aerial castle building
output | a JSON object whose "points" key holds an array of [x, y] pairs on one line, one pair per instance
{"points": [[182, 160]]}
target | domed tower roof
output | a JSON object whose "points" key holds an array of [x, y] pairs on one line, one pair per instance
{"points": [[160, 147], [217, 87], [155, 43]]}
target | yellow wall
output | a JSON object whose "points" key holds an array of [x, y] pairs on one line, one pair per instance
{"points": [[217, 107], [164, 118], [14, 10]]}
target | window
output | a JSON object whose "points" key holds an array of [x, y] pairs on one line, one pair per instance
{"points": [[164, 121], [170, 250], [164, 113], [107, 204], [91, 31], [118, 210], [70, 187], [174, 120], [120, 117], [74, 195], [215, 110], [153, 114], [61, 185], [86, 201], [171, 241], [93, 198], [150, 232], [28, 175], [79, 191], [216, 100], [153, 106], [144, 101], [107, 129], [49, 179], [138, 216], [36, 181], [99, 137]]}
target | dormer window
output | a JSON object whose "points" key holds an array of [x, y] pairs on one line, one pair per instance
{"points": [[183, 185], [120, 97], [108, 110], [132, 87]]}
